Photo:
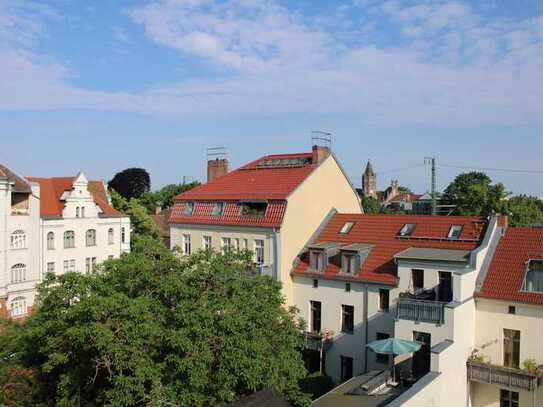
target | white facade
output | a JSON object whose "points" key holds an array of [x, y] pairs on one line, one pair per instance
{"points": [[82, 237], [31, 245], [19, 249]]}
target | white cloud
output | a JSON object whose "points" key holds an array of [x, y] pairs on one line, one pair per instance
{"points": [[457, 70]]}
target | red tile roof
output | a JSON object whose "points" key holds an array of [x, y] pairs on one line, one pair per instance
{"points": [[382, 231], [405, 197], [254, 182], [506, 274], [231, 215], [51, 189]]}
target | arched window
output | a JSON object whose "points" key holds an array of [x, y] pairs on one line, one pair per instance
{"points": [[18, 273], [77, 212], [82, 211], [110, 236], [18, 307], [91, 237], [50, 241], [123, 235], [69, 239], [18, 239]]}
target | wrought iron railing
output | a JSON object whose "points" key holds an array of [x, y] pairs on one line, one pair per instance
{"points": [[421, 311], [502, 376]]}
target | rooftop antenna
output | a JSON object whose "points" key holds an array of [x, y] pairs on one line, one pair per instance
{"points": [[216, 153], [433, 186], [319, 137]]}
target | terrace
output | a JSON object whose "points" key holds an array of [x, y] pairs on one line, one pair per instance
{"points": [[515, 379]]}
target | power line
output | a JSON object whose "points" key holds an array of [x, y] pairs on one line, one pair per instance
{"points": [[400, 169], [513, 170]]}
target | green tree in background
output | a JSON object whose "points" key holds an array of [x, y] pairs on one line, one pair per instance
{"points": [[131, 183], [525, 210], [141, 222], [474, 194], [164, 197], [370, 205], [155, 329]]}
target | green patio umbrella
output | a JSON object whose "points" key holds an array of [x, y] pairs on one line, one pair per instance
{"points": [[394, 346]]}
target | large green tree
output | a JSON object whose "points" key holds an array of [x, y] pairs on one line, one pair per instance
{"points": [[155, 329], [474, 194], [525, 210], [370, 205], [131, 183], [165, 196]]}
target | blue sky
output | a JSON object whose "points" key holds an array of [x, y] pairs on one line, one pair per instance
{"points": [[98, 87]]}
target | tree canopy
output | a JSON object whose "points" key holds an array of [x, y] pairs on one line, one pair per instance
{"points": [[165, 196], [370, 205], [156, 329], [525, 210], [474, 194], [131, 183]]}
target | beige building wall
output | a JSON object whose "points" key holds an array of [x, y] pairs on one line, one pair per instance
{"points": [[217, 232], [325, 189]]}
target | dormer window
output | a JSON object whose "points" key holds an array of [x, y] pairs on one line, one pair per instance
{"points": [[218, 209], [455, 231], [533, 281], [189, 208], [350, 262], [316, 260], [407, 229], [257, 208], [346, 228]]}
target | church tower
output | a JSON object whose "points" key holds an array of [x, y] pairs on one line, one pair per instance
{"points": [[369, 181]]}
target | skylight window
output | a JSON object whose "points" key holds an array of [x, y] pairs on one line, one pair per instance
{"points": [[533, 282], [189, 209], [218, 209], [455, 231], [347, 226], [407, 229]]}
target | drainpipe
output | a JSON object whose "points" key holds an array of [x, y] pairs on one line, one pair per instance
{"points": [[365, 322], [275, 238]]}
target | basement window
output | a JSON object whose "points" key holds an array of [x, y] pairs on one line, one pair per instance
{"points": [[253, 208], [407, 229], [218, 209], [455, 231], [533, 282], [347, 226]]}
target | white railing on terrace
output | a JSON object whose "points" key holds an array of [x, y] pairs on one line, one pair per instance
{"points": [[502, 376]]}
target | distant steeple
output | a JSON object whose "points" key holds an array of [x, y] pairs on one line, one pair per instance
{"points": [[369, 181]]}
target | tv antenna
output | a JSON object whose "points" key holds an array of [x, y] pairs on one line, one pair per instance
{"points": [[320, 137]]}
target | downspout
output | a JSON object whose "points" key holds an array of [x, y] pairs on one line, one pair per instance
{"points": [[366, 327], [275, 245]]}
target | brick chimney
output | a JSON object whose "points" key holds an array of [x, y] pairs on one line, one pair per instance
{"points": [[319, 153], [216, 168]]}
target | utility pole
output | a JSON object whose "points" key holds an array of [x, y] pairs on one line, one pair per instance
{"points": [[432, 162]]}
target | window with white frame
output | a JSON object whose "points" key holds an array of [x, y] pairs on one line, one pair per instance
{"points": [[69, 239], [82, 211], [77, 212], [50, 241], [18, 273], [186, 244], [346, 228], [90, 264], [18, 307], [236, 244], [533, 281], [18, 240], [110, 236], [407, 229], [218, 209], [69, 265], [207, 242], [90, 237], [259, 251], [350, 262], [316, 260], [226, 244], [123, 235], [188, 209], [245, 244], [51, 267]]}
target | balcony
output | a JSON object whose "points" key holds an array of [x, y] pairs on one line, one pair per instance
{"points": [[502, 376], [265, 270], [411, 308]]}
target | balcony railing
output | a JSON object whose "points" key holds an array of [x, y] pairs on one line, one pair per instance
{"points": [[265, 270], [502, 376], [420, 310]]}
